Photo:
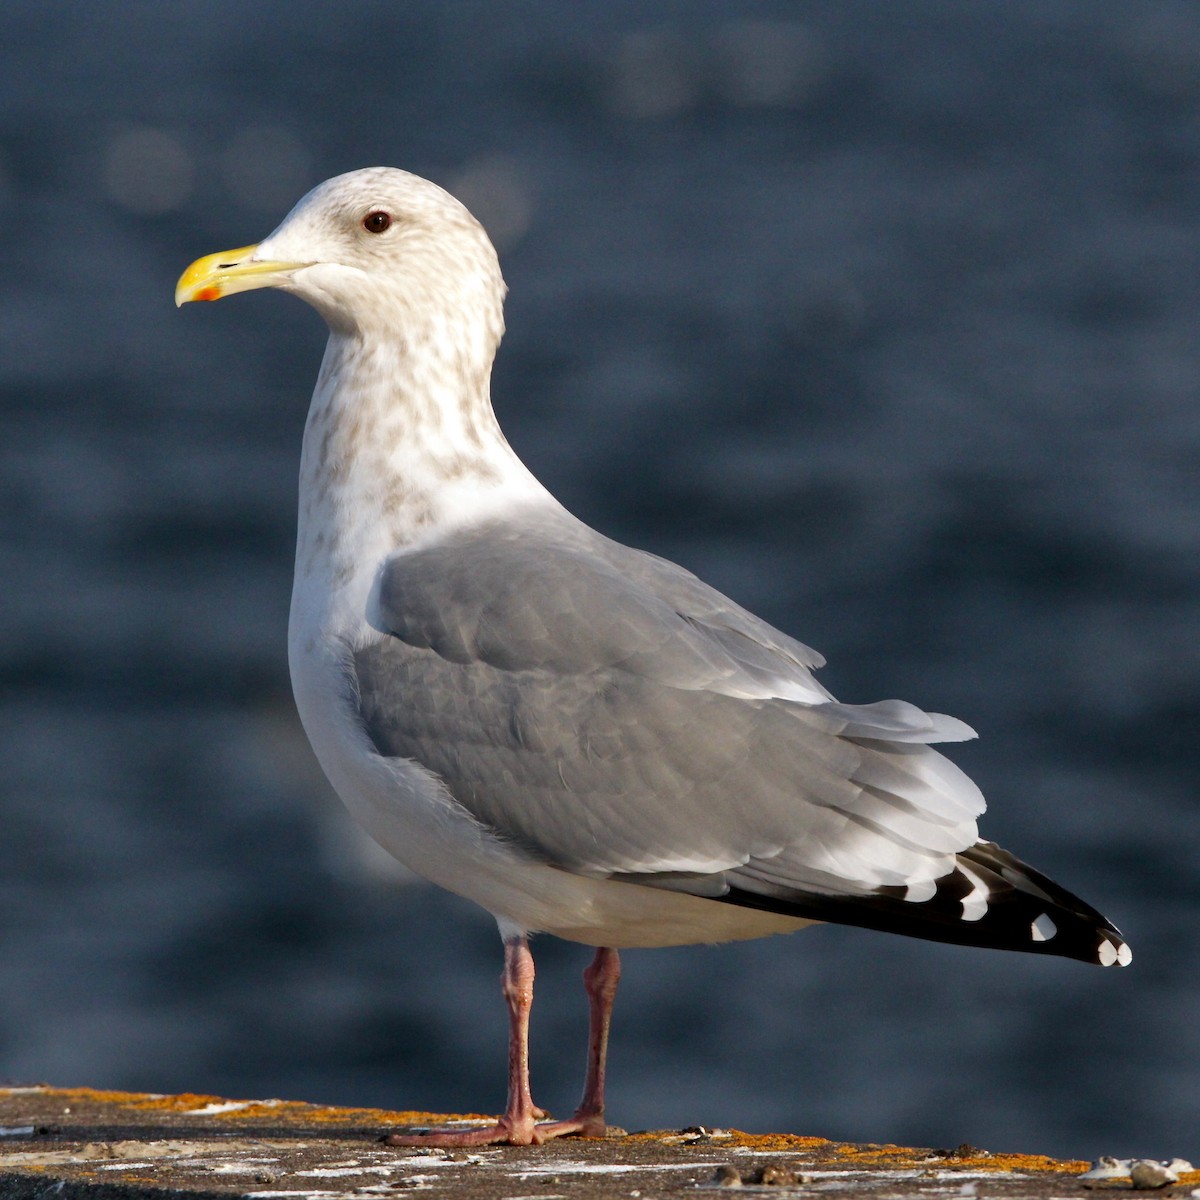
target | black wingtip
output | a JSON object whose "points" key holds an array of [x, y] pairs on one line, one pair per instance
{"points": [[1040, 913], [991, 899]]}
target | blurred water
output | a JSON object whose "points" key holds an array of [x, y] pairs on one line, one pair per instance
{"points": [[882, 318]]}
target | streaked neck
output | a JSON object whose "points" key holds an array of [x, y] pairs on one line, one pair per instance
{"points": [[401, 445]]}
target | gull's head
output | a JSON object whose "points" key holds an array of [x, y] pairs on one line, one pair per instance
{"points": [[376, 251]]}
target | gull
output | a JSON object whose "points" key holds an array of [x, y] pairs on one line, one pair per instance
{"points": [[582, 738]]}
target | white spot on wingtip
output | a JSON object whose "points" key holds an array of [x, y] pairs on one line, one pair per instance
{"points": [[975, 902], [1043, 929], [1124, 958], [1108, 953], [918, 893]]}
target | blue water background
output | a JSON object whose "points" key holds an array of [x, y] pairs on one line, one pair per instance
{"points": [[881, 317]]}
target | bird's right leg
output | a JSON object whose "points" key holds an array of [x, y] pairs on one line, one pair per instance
{"points": [[518, 1126]]}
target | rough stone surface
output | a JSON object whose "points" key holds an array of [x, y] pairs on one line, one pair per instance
{"points": [[62, 1144]]}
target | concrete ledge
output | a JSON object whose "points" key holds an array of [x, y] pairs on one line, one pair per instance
{"points": [[63, 1144]]}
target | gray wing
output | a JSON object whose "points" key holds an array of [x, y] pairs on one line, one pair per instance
{"points": [[610, 714]]}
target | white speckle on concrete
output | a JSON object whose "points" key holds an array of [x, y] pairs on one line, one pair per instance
{"points": [[302, 1195], [1107, 1167], [243, 1166], [568, 1167], [227, 1106], [342, 1172], [1146, 1173], [440, 1158]]}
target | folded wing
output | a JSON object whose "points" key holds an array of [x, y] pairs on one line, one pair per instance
{"points": [[607, 713]]}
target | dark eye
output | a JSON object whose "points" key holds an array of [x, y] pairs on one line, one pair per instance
{"points": [[377, 221]]}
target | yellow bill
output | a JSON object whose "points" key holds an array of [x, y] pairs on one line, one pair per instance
{"points": [[229, 271]]}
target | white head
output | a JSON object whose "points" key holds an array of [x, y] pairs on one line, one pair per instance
{"points": [[376, 252]]}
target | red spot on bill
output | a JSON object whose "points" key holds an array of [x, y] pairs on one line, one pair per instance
{"points": [[208, 293]]}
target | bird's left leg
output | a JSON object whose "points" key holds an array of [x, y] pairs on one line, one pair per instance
{"points": [[600, 980]]}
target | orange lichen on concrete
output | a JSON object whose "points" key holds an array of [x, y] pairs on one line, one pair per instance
{"points": [[967, 1158], [776, 1141], [887, 1154], [1023, 1162], [327, 1114], [143, 1100], [285, 1111], [295, 1115]]}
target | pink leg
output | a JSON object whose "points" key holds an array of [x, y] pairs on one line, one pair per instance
{"points": [[518, 1126], [600, 980]]}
